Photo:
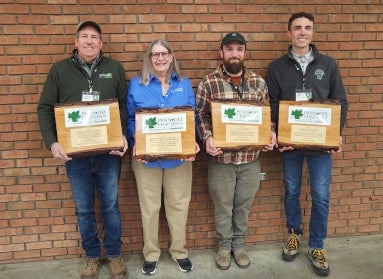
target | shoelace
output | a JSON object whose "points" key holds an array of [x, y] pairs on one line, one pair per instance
{"points": [[183, 261], [91, 263], [292, 243], [319, 256], [117, 265], [116, 261], [150, 265]]}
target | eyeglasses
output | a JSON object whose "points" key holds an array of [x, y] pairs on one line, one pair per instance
{"points": [[156, 55], [85, 37]]}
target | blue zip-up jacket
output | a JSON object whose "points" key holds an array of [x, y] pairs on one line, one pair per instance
{"points": [[141, 96]]}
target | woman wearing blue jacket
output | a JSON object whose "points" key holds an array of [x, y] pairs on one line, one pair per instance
{"points": [[161, 85]]}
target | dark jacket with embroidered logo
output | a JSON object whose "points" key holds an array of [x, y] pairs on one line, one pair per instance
{"points": [[67, 79], [322, 76]]}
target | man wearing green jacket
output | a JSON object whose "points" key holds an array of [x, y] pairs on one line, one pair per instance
{"points": [[89, 76]]}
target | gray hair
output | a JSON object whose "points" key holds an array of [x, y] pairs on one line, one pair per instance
{"points": [[147, 67]]}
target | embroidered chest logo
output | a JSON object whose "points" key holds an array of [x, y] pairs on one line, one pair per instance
{"points": [[319, 73], [108, 75]]}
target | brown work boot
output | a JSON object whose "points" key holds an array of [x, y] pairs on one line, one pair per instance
{"points": [[90, 268], [223, 259], [117, 267], [241, 258]]}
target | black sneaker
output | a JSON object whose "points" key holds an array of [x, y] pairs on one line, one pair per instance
{"points": [[149, 268], [184, 265]]}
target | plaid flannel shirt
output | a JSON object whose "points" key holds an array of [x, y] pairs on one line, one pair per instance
{"points": [[218, 85]]}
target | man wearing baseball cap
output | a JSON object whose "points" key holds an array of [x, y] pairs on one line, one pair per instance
{"points": [[93, 24], [89, 76], [233, 37], [233, 175]]}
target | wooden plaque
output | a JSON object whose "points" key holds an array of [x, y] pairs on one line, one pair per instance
{"points": [[309, 125], [165, 133], [89, 128], [242, 125]]}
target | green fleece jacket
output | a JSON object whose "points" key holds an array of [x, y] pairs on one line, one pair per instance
{"points": [[67, 79]]}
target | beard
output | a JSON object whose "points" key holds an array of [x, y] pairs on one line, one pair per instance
{"points": [[233, 68]]}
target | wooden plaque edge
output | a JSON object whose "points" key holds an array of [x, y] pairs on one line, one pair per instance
{"points": [[154, 157], [92, 150], [314, 147], [243, 147]]}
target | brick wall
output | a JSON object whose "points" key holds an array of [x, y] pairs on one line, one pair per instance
{"points": [[37, 220]]}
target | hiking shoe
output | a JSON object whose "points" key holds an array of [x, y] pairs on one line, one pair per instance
{"points": [[318, 259], [292, 246], [223, 259], [149, 268], [241, 258], [117, 267], [90, 268], [184, 265]]}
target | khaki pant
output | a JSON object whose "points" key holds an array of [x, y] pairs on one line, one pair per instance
{"points": [[176, 184], [232, 188]]}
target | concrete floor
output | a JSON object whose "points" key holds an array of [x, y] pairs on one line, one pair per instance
{"points": [[356, 257]]}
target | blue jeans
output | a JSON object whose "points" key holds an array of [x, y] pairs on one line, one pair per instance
{"points": [[101, 172], [319, 166]]}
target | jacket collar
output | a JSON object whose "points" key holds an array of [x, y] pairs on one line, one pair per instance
{"points": [[153, 77], [79, 61], [313, 48]]}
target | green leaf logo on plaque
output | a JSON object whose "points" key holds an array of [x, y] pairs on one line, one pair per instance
{"points": [[230, 112], [151, 122], [297, 113], [74, 115]]}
